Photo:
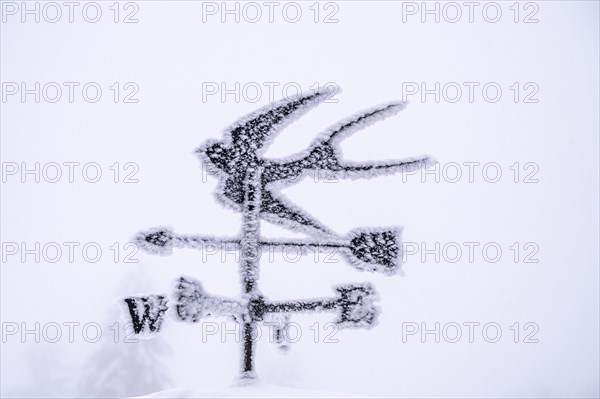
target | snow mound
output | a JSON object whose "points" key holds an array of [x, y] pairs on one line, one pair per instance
{"points": [[249, 390]]}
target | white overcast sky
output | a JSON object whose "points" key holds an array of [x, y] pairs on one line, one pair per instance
{"points": [[374, 52]]}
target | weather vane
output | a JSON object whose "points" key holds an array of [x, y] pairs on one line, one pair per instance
{"points": [[249, 184]]}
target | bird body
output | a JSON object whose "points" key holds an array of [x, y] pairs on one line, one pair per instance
{"points": [[245, 142]]}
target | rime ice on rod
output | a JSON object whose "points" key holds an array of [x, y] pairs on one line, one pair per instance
{"points": [[250, 184]]}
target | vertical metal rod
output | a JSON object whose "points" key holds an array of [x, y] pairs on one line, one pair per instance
{"points": [[249, 261]]}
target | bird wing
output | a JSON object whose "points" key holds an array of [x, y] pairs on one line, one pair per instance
{"points": [[273, 208], [254, 130], [278, 211]]}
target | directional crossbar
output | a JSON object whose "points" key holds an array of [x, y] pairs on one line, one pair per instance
{"points": [[354, 304]]}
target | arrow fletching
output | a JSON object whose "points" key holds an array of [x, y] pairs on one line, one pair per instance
{"points": [[375, 250], [193, 303]]}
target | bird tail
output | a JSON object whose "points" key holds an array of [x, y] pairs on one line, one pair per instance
{"points": [[361, 120]]}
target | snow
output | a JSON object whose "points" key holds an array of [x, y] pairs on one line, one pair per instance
{"points": [[254, 389], [376, 57]]}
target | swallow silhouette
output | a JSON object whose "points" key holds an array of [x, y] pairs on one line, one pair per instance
{"points": [[245, 141]]}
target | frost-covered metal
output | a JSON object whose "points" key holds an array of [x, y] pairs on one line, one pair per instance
{"points": [[250, 184]]}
